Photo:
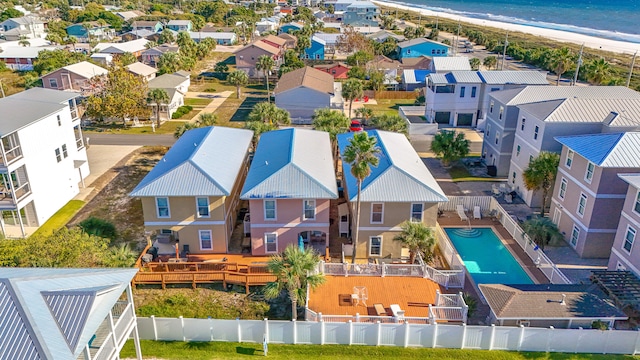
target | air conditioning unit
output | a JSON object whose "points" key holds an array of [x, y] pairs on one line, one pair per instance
{"points": [[524, 323]]}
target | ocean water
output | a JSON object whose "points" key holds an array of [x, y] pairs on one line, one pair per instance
{"points": [[610, 19]]}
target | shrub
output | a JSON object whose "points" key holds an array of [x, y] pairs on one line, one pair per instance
{"points": [[210, 89], [98, 227], [181, 111]]}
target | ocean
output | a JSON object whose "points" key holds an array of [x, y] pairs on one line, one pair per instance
{"points": [[609, 19]]}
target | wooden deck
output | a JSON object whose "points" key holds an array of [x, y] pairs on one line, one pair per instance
{"points": [[412, 294], [241, 259]]}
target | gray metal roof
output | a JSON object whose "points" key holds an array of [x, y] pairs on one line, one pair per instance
{"points": [[587, 110], [400, 176], [466, 77], [53, 313], [166, 81], [631, 179], [606, 150], [203, 162], [530, 94], [292, 163], [526, 77], [417, 41], [451, 63], [24, 108]]}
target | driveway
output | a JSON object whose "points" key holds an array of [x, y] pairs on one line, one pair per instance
{"points": [[131, 139], [218, 99], [102, 158]]}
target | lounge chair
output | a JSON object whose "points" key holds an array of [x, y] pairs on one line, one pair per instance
{"points": [[476, 212], [496, 191], [503, 188], [461, 213], [508, 198]]}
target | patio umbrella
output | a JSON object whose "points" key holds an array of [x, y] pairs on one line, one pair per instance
{"points": [[301, 242]]}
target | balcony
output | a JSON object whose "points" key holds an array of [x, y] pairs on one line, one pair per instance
{"points": [[11, 149]]}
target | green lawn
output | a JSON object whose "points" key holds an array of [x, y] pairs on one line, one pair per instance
{"points": [[460, 173], [169, 127], [197, 102], [222, 350], [389, 106], [60, 218]]}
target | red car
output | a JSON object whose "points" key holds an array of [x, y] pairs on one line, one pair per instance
{"points": [[355, 126]]}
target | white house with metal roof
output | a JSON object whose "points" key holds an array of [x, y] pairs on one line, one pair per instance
{"points": [[503, 116], [43, 158], [460, 98], [61, 314], [191, 196], [399, 189], [445, 64], [289, 187], [588, 195]]}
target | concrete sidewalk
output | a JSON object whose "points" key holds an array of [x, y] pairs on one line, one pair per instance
{"points": [[218, 99]]}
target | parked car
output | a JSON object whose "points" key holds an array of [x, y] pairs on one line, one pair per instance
{"points": [[355, 126]]}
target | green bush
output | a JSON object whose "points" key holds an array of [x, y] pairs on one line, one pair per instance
{"points": [[181, 111], [210, 89], [99, 227]]}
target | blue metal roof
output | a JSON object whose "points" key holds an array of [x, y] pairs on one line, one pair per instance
{"points": [[412, 76], [400, 176], [606, 150], [292, 163], [203, 162], [53, 313]]}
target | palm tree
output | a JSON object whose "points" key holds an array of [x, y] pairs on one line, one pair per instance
{"points": [[541, 175], [157, 97], [293, 269], [180, 130], [474, 63], [598, 70], [150, 45], [24, 42], [450, 146], [265, 64], [365, 113], [238, 79], [206, 119], [393, 123], [490, 62], [332, 121], [561, 60], [120, 256], [71, 40], [258, 128], [417, 237], [361, 153], [351, 90], [542, 231], [269, 114]]}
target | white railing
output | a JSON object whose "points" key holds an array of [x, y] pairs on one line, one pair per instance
{"points": [[467, 202], [413, 332]]}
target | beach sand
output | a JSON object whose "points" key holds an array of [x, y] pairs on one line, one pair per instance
{"points": [[557, 35]]}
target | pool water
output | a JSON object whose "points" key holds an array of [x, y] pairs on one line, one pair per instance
{"points": [[486, 258]]}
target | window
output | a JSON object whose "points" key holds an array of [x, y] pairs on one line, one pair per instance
{"points": [[628, 239], [53, 83], [269, 209], [488, 133], [522, 123], [409, 51], [575, 233], [445, 89], [59, 120], [569, 159], [309, 209], [375, 246], [491, 106], [636, 207], [473, 91], [494, 89], [416, 212], [58, 157], [65, 153], [162, 207], [202, 204], [517, 150], [535, 132], [513, 177], [271, 242], [501, 112], [530, 158], [462, 90], [563, 188], [588, 176], [377, 212], [497, 137], [582, 203], [205, 240], [317, 56]]}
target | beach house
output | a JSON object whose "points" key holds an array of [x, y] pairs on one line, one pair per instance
{"points": [[247, 57], [75, 77], [180, 25], [316, 50], [399, 189], [92, 30], [176, 86], [624, 254], [421, 46], [289, 187], [190, 198], [361, 13]]}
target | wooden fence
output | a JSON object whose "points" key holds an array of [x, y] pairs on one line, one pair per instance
{"points": [[390, 94]]}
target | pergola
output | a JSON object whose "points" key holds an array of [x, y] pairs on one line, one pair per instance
{"points": [[622, 286]]}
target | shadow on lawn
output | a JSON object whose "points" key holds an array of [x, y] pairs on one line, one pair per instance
{"points": [[245, 108], [248, 351]]}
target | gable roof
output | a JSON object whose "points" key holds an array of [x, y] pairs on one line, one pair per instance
{"points": [[305, 77], [179, 22], [418, 41], [400, 176], [606, 150], [544, 302], [17, 52], [274, 39], [120, 48], [530, 94], [318, 40], [412, 76], [53, 313], [145, 23], [626, 112], [294, 164], [166, 81], [203, 162], [451, 63], [261, 45], [85, 69], [631, 179], [139, 68], [520, 77], [24, 108]]}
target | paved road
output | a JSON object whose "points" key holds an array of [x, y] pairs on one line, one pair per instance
{"points": [[130, 140]]}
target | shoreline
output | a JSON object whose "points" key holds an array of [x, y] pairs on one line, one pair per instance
{"points": [[592, 42]]}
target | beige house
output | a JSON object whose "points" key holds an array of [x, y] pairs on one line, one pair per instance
{"points": [[190, 198], [247, 57], [145, 71], [399, 189], [75, 77]]}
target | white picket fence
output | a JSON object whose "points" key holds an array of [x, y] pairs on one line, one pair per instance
{"points": [[390, 334], [468, 202]]}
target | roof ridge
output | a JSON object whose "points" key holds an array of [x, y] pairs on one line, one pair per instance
{"points": [[192, 162], [312, 178], [613, 147]]}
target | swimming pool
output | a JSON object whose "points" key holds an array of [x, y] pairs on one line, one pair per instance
{"points": [[486, 258]]}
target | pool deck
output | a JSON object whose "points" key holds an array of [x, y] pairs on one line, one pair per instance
{"points": [[451, 219]]}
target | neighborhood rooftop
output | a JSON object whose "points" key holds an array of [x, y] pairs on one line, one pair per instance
{"points": [[451, 63], [418, 41], [29, 106], [400, 175], [292, 163], [606, 150], [584, 110], [86, 69], [307, 77], [490, 77], [532, 94], [209, 157]]}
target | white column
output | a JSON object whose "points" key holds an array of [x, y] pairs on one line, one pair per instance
{"points": [[136, 334], [379, 334], [492, 336], [155, 328], [406, 333]]}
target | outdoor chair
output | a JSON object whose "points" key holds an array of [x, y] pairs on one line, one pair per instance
{"points": [[495, 190], [461, 213], [476, 212]]}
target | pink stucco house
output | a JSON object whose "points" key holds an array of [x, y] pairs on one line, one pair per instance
{"points": [[289, 188]]}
